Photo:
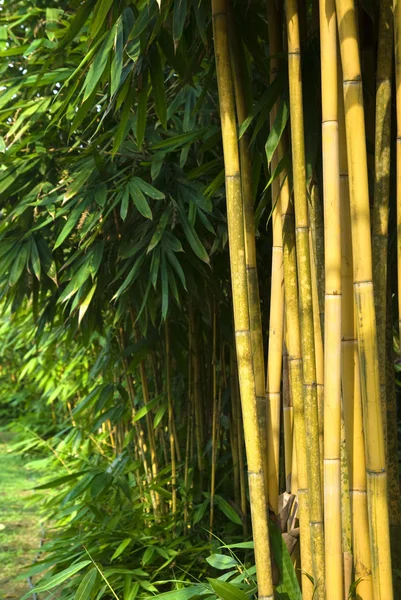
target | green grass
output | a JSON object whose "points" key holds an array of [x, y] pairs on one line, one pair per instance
{"points": [[19, 522]]}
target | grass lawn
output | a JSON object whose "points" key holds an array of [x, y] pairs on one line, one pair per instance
{"points": [[19, 523]]}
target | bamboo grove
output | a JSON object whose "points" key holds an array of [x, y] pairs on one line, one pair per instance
{"points": [[200, 262]]}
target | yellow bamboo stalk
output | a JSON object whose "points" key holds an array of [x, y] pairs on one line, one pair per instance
{"points": [[240, 76], [332, 304], [305, 298], [170, 421], [276, 320], [234, 429], [240, 302], [346, 528], [364, 299], [351, 391], [299, 483]]}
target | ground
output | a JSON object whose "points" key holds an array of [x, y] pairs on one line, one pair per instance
{"points": [[19, 523]]}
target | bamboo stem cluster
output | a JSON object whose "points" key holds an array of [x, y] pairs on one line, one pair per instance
{"points": [[327, 360]]}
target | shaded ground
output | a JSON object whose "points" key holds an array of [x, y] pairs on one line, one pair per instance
{"points": [[19, 523]]}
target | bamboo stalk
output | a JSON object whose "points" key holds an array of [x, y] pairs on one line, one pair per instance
{"points": [[346, 527], [240, 302], [288, 421], [382, 188], [170, 421], [234, 430], [305, 299], [351, 391], [214, 422], [394, 492], [276, 319], [397, 44], [241, 85], [364, 299], [332, 304]]}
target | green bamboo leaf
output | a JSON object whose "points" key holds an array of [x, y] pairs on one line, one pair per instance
{"points": [[85, 304], [288, 582], [144, 410], [148, 189], [59, 481], [183, 594], [99, 64], [192, 236], [124, 203], [131, 276], [69, 225], [19, 265], [139, 200], [277, 130], [61, 577], [101, 194], [142, 108], [179, 16], [77, 23], [173, 260], [157, 79], [227, 591], [161, 411], [117, 62], [227, 509], [100, 13], [35, 259], [222, 561], [121, 548], [161, 226], [84, 592]]}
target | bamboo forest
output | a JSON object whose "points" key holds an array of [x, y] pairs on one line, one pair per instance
{"points": [[200, 299]]}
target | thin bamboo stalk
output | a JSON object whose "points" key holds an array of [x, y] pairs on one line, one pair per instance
{"points": [[299, 481], [170, 421], [332, 304], [346, 528], [214, 422], [288, 420], [397, 44], [241, 85], [394, 492], [305, 299], [364, 299], [240, 302], [276, 320], [234, 429]]}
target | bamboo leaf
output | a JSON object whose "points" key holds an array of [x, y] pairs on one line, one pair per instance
{"points": [[85, 304], [164, 278], [121, 548], [148, 189], [19, 265], [228, 510], [35, 259], [222, 561], [139, 200], [161, 226], [52, 582], [289, 583], [124, 203], [77, 23], [117, 62], [100, 13], [99, 64], [69, 225], [179, 16], [86, 586], [277, 130], [227, 591], [144, 410], [192, 236]]}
